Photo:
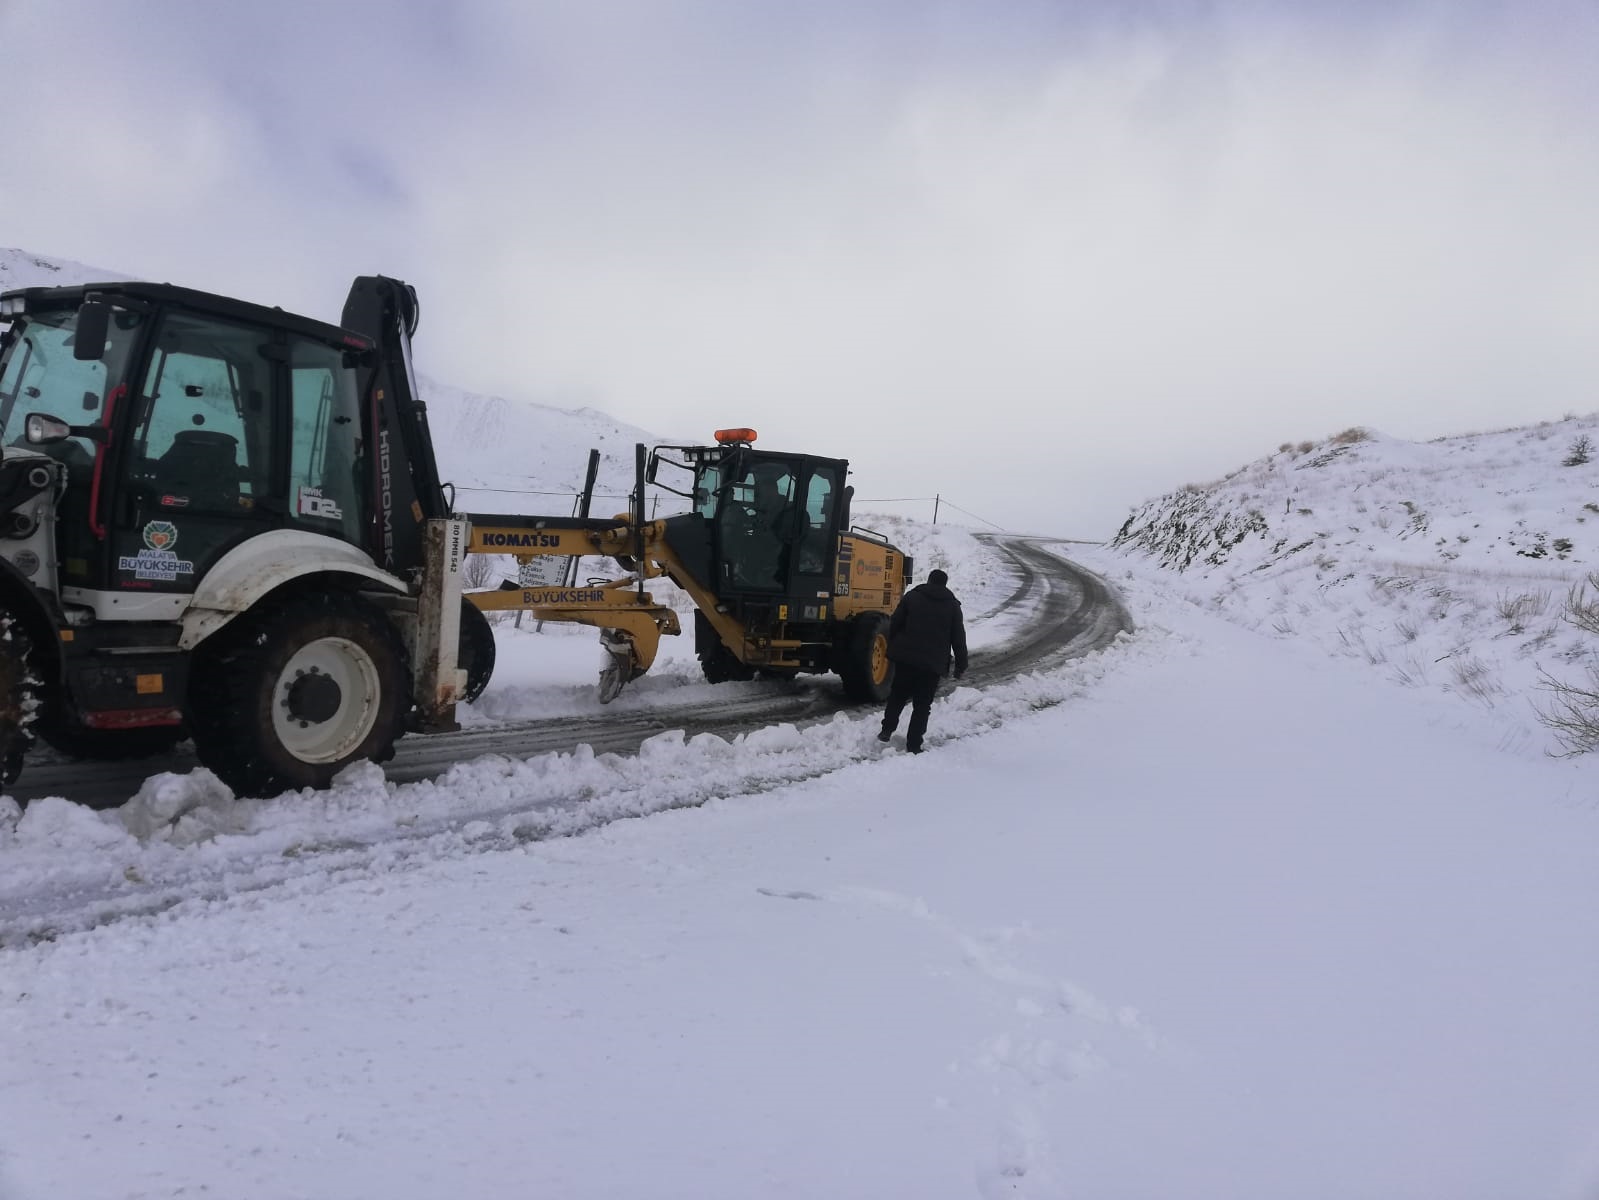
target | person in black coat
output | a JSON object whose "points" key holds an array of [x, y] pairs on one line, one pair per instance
{"points": [[924, 634]]}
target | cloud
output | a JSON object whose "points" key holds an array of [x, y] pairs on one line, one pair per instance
{"points": [[1045, 261]]}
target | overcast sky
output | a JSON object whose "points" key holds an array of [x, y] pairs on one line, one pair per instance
{"points": [[1048, 259]]}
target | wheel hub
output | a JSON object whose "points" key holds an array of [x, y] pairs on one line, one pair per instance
{"points": [[328, 697], [313, 697]]}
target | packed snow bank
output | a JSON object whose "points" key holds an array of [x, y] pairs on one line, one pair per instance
{"points": [[1444, 565]]}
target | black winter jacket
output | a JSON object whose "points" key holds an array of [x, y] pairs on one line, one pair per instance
{"points": [[926, 628]]}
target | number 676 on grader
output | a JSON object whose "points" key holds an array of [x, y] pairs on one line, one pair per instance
{"points": [[223, 521]]}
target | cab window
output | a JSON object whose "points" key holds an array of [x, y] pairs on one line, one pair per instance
{"points": [[706, 488], [203, 433], [42, 376], [820, 495], [324, 489]]}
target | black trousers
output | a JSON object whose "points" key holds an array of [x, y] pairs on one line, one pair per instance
{"points": [[917, 686]]}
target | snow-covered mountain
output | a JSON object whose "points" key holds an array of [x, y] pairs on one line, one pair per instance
{"points": [[1451, 564], [513, 455], [20, 269]]}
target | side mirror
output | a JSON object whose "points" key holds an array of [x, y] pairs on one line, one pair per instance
{"points": [[649, 471], [89, 336], [41, 429]]}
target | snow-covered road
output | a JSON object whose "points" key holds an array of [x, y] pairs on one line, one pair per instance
{"points": [[1206, 914]]}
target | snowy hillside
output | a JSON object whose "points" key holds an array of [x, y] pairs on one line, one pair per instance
{"points": [[1444, 565], [518, 456]]}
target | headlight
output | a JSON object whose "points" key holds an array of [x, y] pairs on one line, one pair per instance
{"points": [[13, 306]]}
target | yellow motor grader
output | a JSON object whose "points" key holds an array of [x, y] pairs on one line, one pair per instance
{"points": [[780, 582]]}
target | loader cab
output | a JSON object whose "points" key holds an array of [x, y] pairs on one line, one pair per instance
{"points": [[193, 423], [762, 525]]}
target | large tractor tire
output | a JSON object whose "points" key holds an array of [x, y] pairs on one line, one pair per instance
{"points": [[19, 689], [300, 689], [475, 650], [863, 659]]}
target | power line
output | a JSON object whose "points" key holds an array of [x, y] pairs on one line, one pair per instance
{"points": [[973, 515], [939, 499]]}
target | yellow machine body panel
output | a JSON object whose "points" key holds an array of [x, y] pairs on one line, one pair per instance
{"points": [[868, 576]]}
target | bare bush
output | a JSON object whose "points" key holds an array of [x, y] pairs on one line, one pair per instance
{"points": [[1356, 646], [1473, 677], [1385, 584], [1412, 672], [1572, 713], [1514, 610], [1539, 640], [1579, 453], [1582, 608], [478, 570], [1350, 436]]}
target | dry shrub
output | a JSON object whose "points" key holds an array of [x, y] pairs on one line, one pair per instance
{"points": [[1473, 677], [1582, 609], [1573, 713]]}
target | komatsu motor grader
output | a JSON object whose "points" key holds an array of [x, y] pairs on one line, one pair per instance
{"points": [[223, 521]]}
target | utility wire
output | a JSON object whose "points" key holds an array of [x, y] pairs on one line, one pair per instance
{"points": [[928, 500], [974, 516]]}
